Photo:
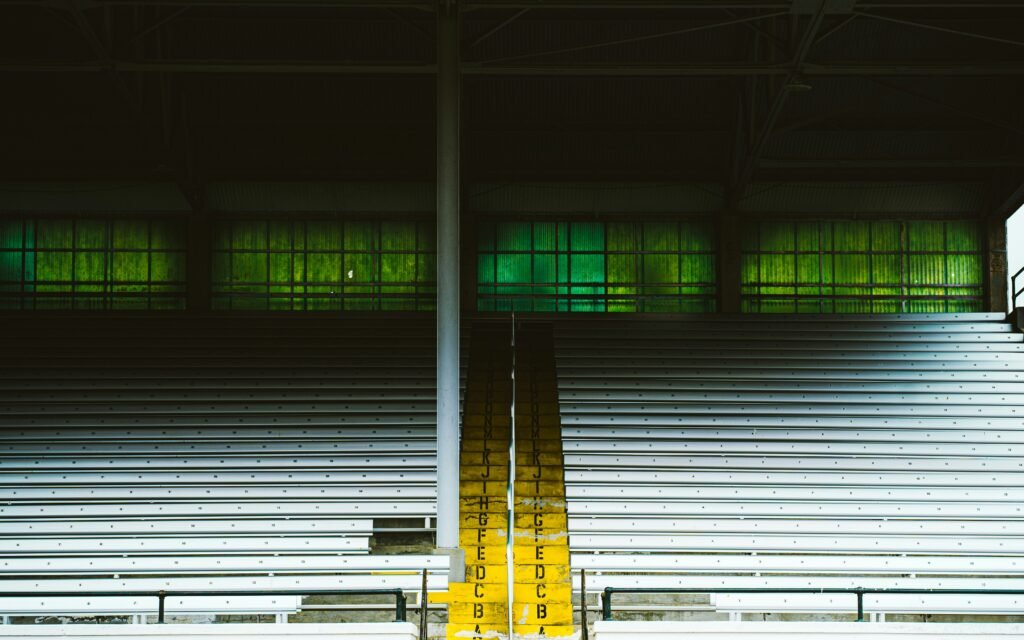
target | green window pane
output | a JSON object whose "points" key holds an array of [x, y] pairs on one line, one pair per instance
{"points": [[325, 264], [886, 236], [595, 266], [91, 263], [857, 266]]}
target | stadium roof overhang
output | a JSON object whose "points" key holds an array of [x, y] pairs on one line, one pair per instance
{"points": [[724, 92]]}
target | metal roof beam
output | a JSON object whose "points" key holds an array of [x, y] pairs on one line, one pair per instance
{"points": [[940, 29], [643, 38], [795, 69], [993, 69], [427, 5]]}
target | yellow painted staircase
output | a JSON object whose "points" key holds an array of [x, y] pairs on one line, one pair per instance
{"points": [[542, 588]]}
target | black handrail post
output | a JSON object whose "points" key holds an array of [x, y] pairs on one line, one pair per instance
{"points": [[161, 595], [584, 623], [606, 604], [400, 605], [423, 608], [860, 605], [1013, 286]]}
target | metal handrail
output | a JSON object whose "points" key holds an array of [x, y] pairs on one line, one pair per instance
{"points": [[606, 600], [510, 562], [400, 599], [1013, 286]]}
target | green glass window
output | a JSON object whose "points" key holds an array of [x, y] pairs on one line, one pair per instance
{"points": [[862, 266], [547, 266], [89, 263], [323, 264]]}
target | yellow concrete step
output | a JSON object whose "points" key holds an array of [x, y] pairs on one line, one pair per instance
{"points": [[552, 554], [541, 521], [540, 458], [539, 631], [539, 505], [539, 488], [496, 453], [540, 472], [550, 421], [546, 573], [491, 503], [471, 592], [475, 420], [497, 489], [476, 631], [525, 432], [535, 593], [478, 504], [550, 446], [496, 613], [534, 537], [530, 613], [490, 537], [495, 554], [524, 573], [485, 440], [488, 472], [542, 592], [487, 573], [483, 520], [500, 632], [542, 589]]}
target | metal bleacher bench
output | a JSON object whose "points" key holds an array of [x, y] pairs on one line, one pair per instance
{"points": [[797, 451], [211, 454], [877, 606]]}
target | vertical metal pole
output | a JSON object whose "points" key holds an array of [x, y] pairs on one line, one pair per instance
{"points": [[584, 623], [198, 274], [160, 608], [424, 597], [400, 606], [860, 606], [447, 276], [510, 542]]}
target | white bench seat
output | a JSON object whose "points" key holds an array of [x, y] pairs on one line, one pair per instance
{"points": [[385, 579], [220, 564], [599, 581], [964, 604], [93, 605], [811, 543], [795, 563], [97, 546]]}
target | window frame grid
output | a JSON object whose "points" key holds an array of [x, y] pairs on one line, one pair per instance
{"points": [[753, 298], [294, 294], [50, 294], [565, 298]]}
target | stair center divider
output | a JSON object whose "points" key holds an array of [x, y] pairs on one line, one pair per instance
{"points": [[511, 495], [511, 421]]}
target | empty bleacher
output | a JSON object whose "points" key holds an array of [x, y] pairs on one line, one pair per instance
{"points": [[797, 451], [212, 453]]}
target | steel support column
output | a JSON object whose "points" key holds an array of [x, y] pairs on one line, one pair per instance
{"points": [[996, 276], [447, 276], [728, 267], [198, 268]]}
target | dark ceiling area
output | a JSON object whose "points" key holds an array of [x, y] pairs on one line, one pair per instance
{"points": [[727, 91]]}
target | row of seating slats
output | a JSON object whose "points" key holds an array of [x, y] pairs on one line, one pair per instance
{"points": [[796, 452], [216, 452]]}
